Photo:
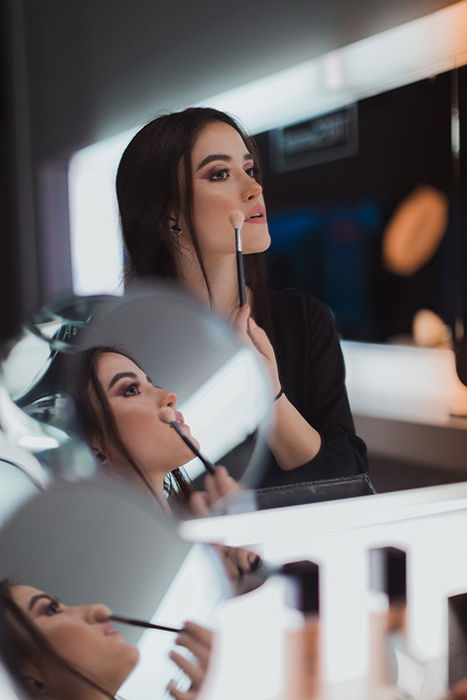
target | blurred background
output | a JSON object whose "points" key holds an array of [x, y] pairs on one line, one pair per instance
{"points": [[359, 109]]}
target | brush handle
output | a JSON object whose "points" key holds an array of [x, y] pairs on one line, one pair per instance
{"points": [[142, 623], [240, 269], [241, 279], [209, 466]]}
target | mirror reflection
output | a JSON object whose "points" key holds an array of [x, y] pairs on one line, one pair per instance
{"points": [[58, 594]]}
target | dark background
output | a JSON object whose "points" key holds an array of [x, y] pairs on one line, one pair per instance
{"points": [[327, 221], [76, 72]]}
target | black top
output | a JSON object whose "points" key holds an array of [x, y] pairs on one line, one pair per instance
{"points": [[312, 374]]}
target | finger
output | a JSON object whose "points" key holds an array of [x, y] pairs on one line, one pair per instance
{"points": [[231, 568], [195, 646], [194, 672], [204, 634], [240, 317], [260, 339], [243, 559], [198, 503], [212, 493], [224, 482], [180, 694]]}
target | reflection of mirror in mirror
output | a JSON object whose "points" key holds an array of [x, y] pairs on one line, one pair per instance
{"points": [[220, 390], [137, 566]]}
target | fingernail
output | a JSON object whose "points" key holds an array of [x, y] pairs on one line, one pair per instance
{"points": [[255, 563], [251, 321]]}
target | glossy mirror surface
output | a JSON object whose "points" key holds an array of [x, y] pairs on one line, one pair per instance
{"points": [[136, 565]]}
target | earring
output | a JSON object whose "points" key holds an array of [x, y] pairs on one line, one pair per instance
{"points": [[100, 456], [176, 229], [36, 686]]}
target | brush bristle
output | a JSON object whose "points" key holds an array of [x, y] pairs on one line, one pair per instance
{"points": [[167, 415], [236, 218]]}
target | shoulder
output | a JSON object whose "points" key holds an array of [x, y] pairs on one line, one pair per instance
{"points": [[294, 305]]}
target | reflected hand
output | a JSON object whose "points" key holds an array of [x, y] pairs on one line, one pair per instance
{"points": [[198, 640], [218, 486], [458, 691], [254, 336], [237, 560]]}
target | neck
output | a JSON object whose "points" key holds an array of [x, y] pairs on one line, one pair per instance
{"points": [[155, 480], [222, 275]]}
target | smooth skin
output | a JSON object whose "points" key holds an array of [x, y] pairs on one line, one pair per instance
{"points": [[223, 181], [198, 640], [82, 636]]}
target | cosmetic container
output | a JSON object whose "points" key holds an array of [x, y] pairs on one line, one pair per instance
{"points": [[394, 672], [302, 675]]}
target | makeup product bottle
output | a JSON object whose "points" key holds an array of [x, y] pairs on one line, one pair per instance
{"points": [[387, 619], [302, 644]]}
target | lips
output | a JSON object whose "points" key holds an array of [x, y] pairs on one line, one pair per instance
{"points": [[256, 215], [180, 420]]}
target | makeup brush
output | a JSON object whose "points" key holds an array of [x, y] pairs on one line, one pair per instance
{"points": [[167, 415], [236, 219], [143, 623]]}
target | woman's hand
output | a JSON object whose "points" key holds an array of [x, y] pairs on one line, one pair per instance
{"points": [[198, 640], [458, 691], [255, 337], [237, 560], [218, 486]]}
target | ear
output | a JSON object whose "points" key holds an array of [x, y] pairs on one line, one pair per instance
{"points": [[35, 686], [98, 452]]}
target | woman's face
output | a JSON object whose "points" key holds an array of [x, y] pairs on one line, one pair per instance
{"points": [[224, 180], [81, 635], [135, 404]]}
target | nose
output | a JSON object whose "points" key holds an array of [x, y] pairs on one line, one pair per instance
{"points": [[167, 398], [252, 189], [96, 613]]}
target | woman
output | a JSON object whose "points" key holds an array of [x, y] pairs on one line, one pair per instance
{"points": [[177, 183], [59, 652], [118, 407]]}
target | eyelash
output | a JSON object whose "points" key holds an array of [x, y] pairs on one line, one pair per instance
{"points": [[52, 608], [127, 388], [227, 171]]}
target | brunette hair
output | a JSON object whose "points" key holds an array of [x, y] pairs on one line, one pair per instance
{"points": [[25, 650], [100, 423], [149, 190]]}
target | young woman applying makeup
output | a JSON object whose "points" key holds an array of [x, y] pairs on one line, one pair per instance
{"points": [[118, 409], [178, 181], [58, 652]]}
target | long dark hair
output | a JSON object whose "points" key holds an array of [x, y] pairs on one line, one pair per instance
{"points": [[101, 423], [25, 650], [148, 189]]}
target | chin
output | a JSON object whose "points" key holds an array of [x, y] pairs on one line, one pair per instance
{"points": [[258, 244]]}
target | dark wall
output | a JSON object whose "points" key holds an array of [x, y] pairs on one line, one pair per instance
{"points": [[327, 220], [81, 70], [98, 67]]}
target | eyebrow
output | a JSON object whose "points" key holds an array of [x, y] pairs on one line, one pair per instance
{"points": [[38, 597], [120, 375], [220, 156]]}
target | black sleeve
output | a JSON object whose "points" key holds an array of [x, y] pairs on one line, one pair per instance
{"points": [[312, 372]]}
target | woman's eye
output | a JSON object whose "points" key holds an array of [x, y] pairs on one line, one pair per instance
{"points": [[53, 608], [131, 390], [220, 175], [251, 171]]}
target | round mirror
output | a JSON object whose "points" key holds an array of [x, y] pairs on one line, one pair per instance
{"points": [[97, 541], [214, 386]]}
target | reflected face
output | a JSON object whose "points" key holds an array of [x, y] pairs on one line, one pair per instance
{"points": [[81, 635], [135, 404], [224, 180]]}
